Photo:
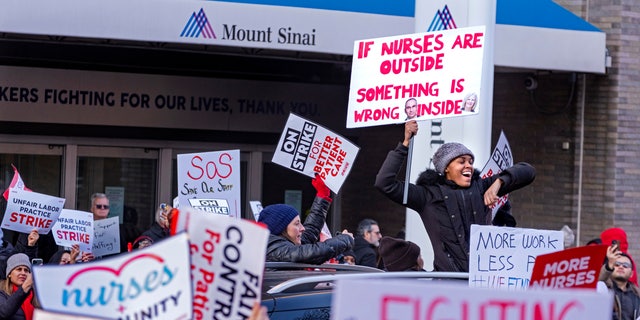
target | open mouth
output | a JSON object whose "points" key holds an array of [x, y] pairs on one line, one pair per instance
{"points": [[466, 174]]}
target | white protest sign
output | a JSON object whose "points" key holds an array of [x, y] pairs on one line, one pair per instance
{"points": [[28, 210], [210, 182], [380, 299], [153, 282], [434, 74], [227, 261], [256, 208], [501, 158], [74, 227], [309, 148], [39, 314], [106, 239], [503, 257]]}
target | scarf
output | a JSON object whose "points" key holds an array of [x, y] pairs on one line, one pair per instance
{"points": [[27, 307]]}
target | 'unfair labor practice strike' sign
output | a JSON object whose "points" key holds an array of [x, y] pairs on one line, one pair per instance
{"points": [[309, 148], [74, 227], [210, 182], [440, 70], [503, 257], [31, 210]]}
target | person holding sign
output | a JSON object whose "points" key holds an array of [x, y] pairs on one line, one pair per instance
{"points": [[17, 300], [450, 198], [292, 241]]}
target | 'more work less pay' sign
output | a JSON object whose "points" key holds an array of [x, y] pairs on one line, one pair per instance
{"points": [[423, 76]]}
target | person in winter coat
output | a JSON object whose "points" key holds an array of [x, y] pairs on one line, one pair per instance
{"points": [[17, 299], [292, 241], [616, 273], [608, 236], [450, 198]]}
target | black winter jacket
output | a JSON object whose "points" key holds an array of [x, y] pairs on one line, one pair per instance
{"points": [[447, 210], [281, 249], [11, 305]]}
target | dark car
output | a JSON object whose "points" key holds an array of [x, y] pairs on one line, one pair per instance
{"points": [[304, 292]]}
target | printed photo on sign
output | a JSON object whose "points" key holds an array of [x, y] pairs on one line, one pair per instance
{"points": [[210, 181], [309, 148], [153, 282], [227, 263], [421, 76], [571, 268], [382, 299], [31, 210], [74, 227], [106, 239], [503, 257]]}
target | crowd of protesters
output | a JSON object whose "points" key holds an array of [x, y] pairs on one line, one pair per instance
{"points": [[450, 198]]}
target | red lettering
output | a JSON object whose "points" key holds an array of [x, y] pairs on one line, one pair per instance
{"points": [[197, 176]]}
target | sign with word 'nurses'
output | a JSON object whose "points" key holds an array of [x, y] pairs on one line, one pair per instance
{"points": [[74, 227], [210, 182], [503, 257], [149, 283], [419, 76], [571, 268], [309, 148], [31, 210], [227, 264], [412, 300]]}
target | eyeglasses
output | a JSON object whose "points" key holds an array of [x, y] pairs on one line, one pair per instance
{"points": [[625, 265], [102, 206]]}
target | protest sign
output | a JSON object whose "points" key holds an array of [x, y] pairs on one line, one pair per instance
{"points": [[31, 210], [571, 268], [421, 76], [503, 257], [501, 158], [106, 239], [227, 264], [39, 314], [380, 299], [152, 283], [210, 182], [256, 208], [74, 227], [16, 182], [309, 148]]}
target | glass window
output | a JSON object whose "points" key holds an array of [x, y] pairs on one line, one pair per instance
{"points": [[130, 184]]}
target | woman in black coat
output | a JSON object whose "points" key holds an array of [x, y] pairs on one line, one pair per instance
{"points": [[292, 241], [450, 198]]}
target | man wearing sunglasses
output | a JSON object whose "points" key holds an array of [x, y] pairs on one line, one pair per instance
{"points": [[99, 206], [616, 273]]}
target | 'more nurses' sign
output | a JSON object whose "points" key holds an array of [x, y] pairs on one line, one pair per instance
{"points": [[439, 71]]}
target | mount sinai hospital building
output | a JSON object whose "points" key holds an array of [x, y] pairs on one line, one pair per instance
{"points": [[103, 96]]}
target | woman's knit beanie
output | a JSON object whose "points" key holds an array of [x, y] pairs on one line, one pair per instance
{"points": [[277, 217]]}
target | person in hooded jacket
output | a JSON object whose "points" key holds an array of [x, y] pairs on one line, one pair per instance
{"points": [[292, 241], [450, 198]]}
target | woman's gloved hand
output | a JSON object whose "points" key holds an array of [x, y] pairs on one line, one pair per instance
{"points": [[321, 188]]}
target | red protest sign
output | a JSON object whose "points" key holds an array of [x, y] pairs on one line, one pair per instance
{"points": [[572, 268]]}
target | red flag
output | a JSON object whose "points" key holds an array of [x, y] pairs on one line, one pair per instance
{"points": [[16, 182]]}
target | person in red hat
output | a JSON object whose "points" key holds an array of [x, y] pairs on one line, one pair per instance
{"points": [[610, 235]]}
